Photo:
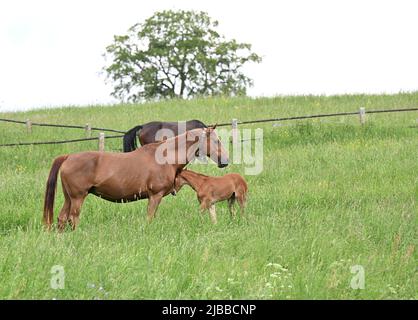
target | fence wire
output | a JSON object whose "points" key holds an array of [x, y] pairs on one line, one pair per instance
{"points": [[316, 116], [219, 125], [61, 125], [55, 142]]}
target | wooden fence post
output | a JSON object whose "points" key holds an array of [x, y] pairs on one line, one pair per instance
{"points": [[88, 130], [234, 131], [28, 126], [101, 141], [362, 114]]}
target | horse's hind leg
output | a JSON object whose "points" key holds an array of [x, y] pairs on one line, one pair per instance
{"points": [[241, 198], [65, 211], [231, 207], [75, 209]]}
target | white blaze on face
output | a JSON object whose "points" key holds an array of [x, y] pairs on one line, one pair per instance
{"points": [[217, 151]]}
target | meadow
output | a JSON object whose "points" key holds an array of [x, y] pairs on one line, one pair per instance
{"points": [[332, 195]]}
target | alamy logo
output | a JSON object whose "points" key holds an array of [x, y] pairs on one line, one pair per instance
{"points": [[247, 148], [58, 277], [358, 280]]}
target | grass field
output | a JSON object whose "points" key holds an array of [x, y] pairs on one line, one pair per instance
{"points": [[332, 194]]}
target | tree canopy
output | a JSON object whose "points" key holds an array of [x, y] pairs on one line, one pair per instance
{"points": [[177, 54]]}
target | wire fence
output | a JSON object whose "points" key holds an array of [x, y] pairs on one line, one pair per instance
{"points": [[316, 116], [234, 124], [61, 126], [55, 142]]}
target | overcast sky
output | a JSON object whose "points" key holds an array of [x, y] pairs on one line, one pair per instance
{"points": [[51, 51]]}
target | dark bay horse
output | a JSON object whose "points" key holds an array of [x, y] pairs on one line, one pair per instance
{"points": [[210, 190], [147, 132], [146, 173]]}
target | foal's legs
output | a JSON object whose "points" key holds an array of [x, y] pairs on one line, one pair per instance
{"points": [[205, 204], [212, 213], [153, 202], [231, 207], [241, 201]]}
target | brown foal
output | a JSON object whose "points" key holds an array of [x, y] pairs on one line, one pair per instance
{"points": [[124, 177], [210, 190]]}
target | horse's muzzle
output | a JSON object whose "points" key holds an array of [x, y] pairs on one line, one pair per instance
{"points": [[222, 165]]}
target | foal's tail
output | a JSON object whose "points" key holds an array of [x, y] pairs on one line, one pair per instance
{"points": [[129, 139], [51, 187]]}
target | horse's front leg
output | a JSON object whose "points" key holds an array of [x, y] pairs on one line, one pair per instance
{"points": [[153, 202], [204, 205], [212, 213]]}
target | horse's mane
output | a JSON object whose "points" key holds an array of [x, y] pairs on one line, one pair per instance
{"points": [[175, 137]]}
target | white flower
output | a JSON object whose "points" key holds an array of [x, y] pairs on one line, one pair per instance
{"points": [[277, 266]]}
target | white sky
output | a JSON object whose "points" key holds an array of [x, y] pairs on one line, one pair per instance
{"points": [[51, 51]]}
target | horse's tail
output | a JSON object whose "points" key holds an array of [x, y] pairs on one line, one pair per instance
{"points": [[51, 187], [129, 139]]}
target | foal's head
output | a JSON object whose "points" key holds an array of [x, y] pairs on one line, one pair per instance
{"points": [[211, 146], [179, 182], [190, 178]]}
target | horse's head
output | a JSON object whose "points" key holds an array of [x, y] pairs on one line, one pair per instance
{"points": [[213, 148]]}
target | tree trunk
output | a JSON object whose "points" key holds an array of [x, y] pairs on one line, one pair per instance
{"points": [[182, 86]]}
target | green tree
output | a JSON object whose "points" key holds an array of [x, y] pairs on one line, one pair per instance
{"points": [[176, 54]]}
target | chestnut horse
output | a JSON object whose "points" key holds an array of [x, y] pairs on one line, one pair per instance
{"points": [[210, 190], [123, 177]]}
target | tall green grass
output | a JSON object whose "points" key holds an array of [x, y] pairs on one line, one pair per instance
{"points": [[332, 194]]}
